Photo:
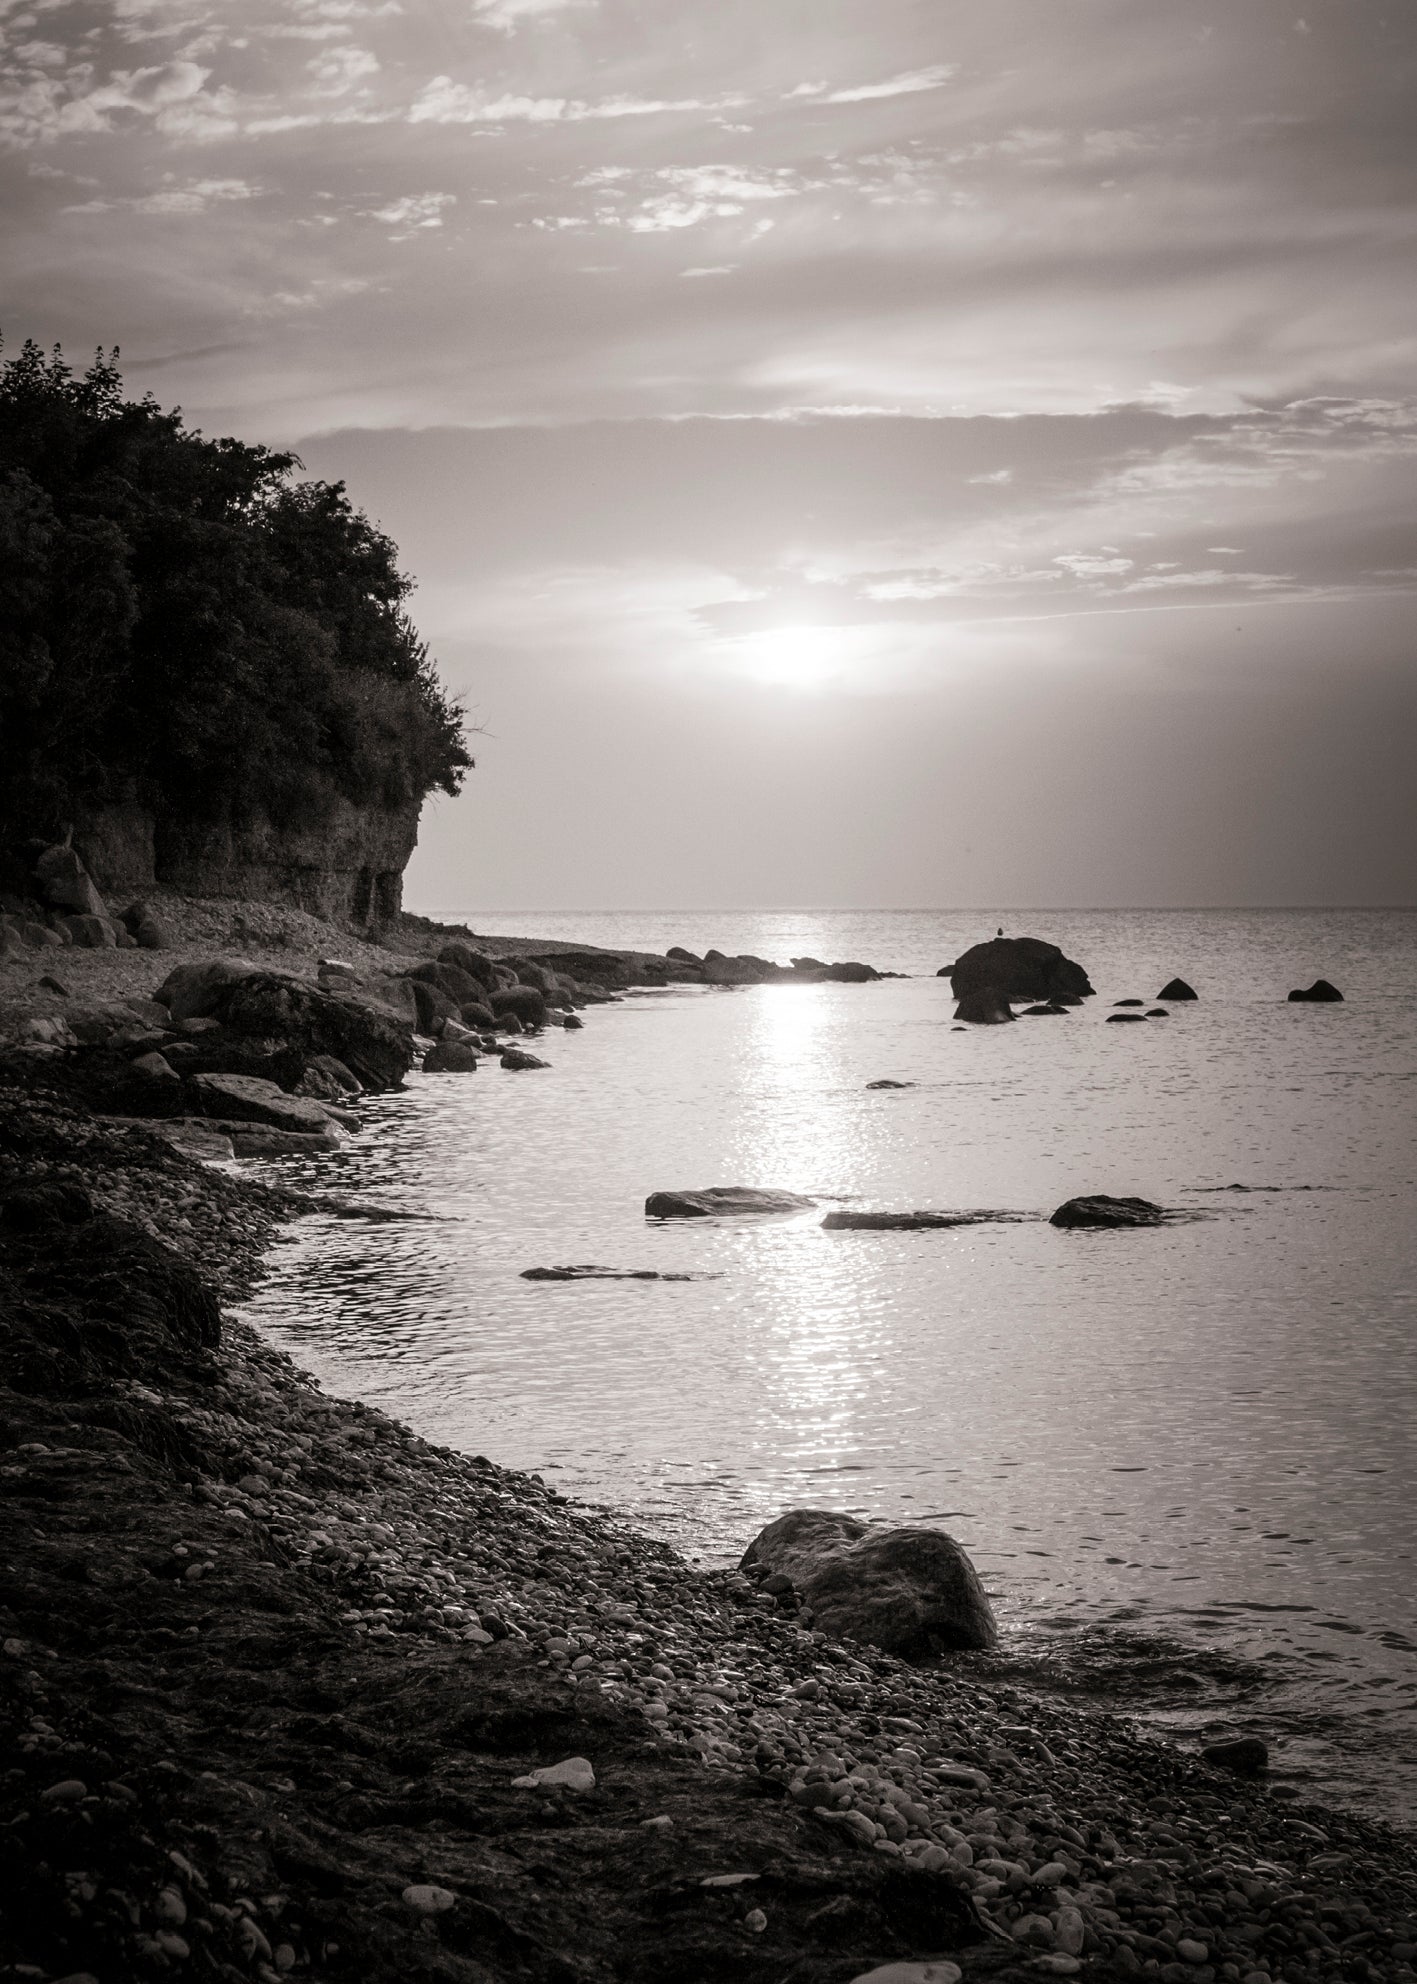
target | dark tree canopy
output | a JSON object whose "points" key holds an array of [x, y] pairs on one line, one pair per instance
{"points": [[184, 623]]}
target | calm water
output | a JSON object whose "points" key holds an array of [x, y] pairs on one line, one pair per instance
{"points": [[1182, 1458]]}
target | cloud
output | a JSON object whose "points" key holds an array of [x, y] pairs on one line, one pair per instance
{"points": [[340, 70], [414, 213], [509, 14], [442, 101], [193, 198], [913, 82]]}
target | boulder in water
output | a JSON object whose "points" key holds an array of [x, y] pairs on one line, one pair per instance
{"points": [[1097, 1209], [1177, 988], [1125, 1019], [1319, 993], [847, 1221], [718, 1200], [1019, 968], [912, 1592], [1245, 1754], [886, 1082], [517, 1057], [450, 1057], [1129, 1002], [985, 1006]]}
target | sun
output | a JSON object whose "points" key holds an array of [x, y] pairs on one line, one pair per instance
{"points": [[807, 659]]}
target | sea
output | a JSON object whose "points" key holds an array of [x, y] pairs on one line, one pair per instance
{"points": [[1182, 1458]]}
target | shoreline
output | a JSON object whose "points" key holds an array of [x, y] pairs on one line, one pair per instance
{"points": [[279, 1637]]}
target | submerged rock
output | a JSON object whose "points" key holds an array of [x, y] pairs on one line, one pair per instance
{"points": [[886, 1082], [1019, 968], [904, 1222], [1129, 1002], [1177, 988], [1319, 993], [718, 1200], [588, 1272], [912, 1592], [517, 1057], [1246, 1754], [1125, 1019], [1098, 1209]]}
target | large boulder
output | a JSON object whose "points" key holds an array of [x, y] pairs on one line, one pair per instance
{"points": [[432, 1008], [65, 883], [455, 984], [194, 991], [1019, 968], [911, 1592], [475, 963], [450, 1057], [90, 933], [1177, 988], [1319, 993], [984, 1005], [148, 928], [717, 1200], [1097, 1209], [372, 1042], [526, 1002]]}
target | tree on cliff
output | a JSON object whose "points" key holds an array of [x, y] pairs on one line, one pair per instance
{"points": [[184, 623]]}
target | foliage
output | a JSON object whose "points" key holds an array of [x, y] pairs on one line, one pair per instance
{"points": [[184, 622]]}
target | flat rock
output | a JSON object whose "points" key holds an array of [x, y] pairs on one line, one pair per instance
{"points": [[572, 1774], [717, 1201], [588, 1272], [912, 1592], [251, 1099], [885, 1082], [1097, 1209], [905, 1222]]}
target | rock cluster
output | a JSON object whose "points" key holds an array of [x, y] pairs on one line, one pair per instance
{"points": [[49, 900]]}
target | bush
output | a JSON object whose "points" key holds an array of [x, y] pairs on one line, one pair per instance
{"points": [[184, 623]]}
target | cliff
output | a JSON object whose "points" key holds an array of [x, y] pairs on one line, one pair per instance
{"points": [[346, 866]]}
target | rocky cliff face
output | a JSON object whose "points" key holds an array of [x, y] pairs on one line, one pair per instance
{"points": [[347, 867]]}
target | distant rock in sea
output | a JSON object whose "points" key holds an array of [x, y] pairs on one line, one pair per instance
{"points": [[1098, 1209], [1177, 988], [717, 1200], [1018, 968], [1319, 993]]}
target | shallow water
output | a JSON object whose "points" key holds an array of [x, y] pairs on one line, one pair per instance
{"points": [[1198, 1435]]}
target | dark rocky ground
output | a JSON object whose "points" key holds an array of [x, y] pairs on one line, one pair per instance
{"points": [[270, 1667]]}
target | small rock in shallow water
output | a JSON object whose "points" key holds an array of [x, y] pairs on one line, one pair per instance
{"points": [[886, 1083], [427, 1900], [517, 1057], [574, 1774], [1098, 1209], [1242, 1753]]}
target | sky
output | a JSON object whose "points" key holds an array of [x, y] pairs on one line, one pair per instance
{"points": [[851, 453]]}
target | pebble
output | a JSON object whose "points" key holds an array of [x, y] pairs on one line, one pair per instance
{"points": [[573, 1774], [936, 1972], [425, 1899]]}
